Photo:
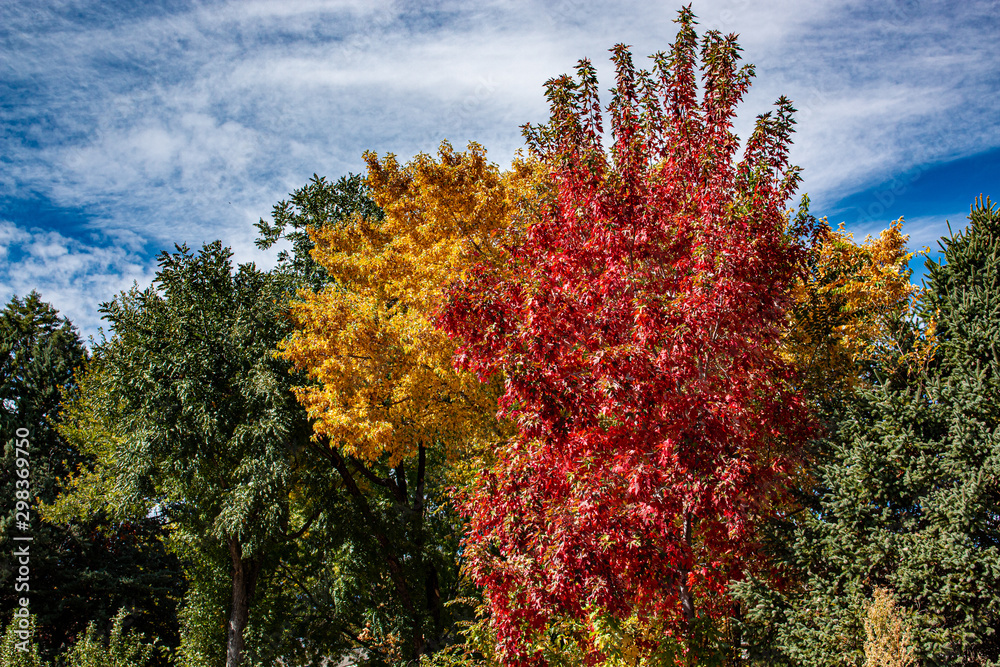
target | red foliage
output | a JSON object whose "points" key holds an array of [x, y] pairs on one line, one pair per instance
{"points": [[637, 330]]}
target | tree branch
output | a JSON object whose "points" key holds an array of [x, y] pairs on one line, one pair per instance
{"points": [[297, 534], [395, 569]]}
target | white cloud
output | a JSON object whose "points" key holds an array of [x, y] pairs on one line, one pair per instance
{"points": [[72, 275], [926, 231], [187, 126]]}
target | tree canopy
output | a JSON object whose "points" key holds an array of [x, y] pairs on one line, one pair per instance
{"points": [[72, 580], [614, 405], [187, 414], [636, 328], [905, 497], [397, 422]]}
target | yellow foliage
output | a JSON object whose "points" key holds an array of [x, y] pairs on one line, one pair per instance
{"points": [[85, 421], [635, 642], [887, 639], [848, 305], [383, 377]]}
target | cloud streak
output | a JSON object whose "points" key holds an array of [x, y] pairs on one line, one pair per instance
{"points": [[72, 274], [185, 122]]}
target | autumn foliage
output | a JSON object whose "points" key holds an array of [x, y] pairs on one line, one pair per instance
{"points": [[382, 379], [636, 326], [848, 305], [390, 412], [614, 406]]}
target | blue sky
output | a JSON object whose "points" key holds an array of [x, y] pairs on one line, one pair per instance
{"points": [[131, 126]]}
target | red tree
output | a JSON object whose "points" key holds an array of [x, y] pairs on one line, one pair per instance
{"points": [[637, 329]]}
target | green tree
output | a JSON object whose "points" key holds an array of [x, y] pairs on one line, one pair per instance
{"points": [[381, 565], [315, 205], [186, 413], [80, 570], [907, 493]]}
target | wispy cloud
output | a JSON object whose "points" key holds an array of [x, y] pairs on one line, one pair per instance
{"points": [[185, 121], [73, 275]]}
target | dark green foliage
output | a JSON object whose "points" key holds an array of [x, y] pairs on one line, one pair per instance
{"points": [[315, 204], [206, 423], [334, 587], [964, 302], [199, 426], [83, 570], [39, 353], [907, 493]]}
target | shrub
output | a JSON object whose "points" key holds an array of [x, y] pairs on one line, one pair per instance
{"points": [[120, 650], [887, 638], [11, 655]]}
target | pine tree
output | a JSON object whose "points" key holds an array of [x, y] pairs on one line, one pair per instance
{"points": [[907, 493]]}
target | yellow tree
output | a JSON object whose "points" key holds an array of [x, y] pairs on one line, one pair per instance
{"points": [[849, 304], [383, 394]]}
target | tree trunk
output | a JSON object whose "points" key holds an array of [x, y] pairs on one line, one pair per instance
{"points": [[433, 593], [736, 635], [687, 598], [245, 571], [432, 589]]}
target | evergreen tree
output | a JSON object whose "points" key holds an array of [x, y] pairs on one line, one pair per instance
{"points": [[907, 493], [80, 571]]}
